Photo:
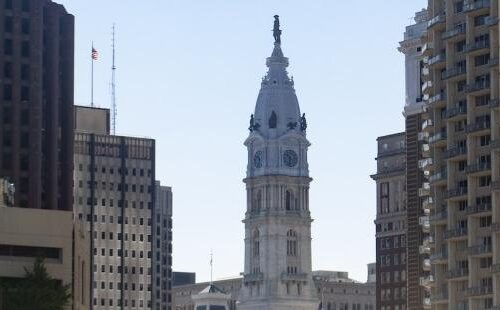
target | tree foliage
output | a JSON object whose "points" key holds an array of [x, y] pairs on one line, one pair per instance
{"points": [[36, 291]]}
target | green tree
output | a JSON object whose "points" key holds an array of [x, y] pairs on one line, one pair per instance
{"points": [[36, 291]]}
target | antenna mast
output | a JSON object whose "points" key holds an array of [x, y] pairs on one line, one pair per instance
{"points": [[113, 87]]}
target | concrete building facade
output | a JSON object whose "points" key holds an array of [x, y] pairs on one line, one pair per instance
{"points": [[26, 234], [115, 196], [36, 102], [162, 248], [460, 126], [334, 289]]}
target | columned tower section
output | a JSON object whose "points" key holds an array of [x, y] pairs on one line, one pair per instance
{"points": [[277, 220]]}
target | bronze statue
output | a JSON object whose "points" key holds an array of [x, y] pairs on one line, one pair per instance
{"points": [[276, 30], [252, 123], [303, 122]]}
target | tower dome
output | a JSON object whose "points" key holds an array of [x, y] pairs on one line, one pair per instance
{"points": [[277, 143], [277, 109]]}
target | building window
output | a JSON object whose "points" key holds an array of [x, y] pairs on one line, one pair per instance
{"points": [[384, 197], [25, 93], [7, 92], [25, 49], [25, 5], [8, 24], [460, 46], [25, 26], [459, 6], [291, 243]]}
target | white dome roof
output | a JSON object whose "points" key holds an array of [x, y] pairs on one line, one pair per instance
{"points": [[277, 109]]}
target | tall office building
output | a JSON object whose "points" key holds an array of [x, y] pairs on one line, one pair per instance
{"points": [[462, 128], [36, 102], [416, 231], [162, 248], [115, 194], [391, 258]]}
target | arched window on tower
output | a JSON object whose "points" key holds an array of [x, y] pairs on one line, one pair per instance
{"points": [[257, 202], [256, 243], [288, 200], [255, 250], [291, 243]]}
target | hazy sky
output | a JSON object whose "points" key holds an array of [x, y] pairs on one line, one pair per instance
{"points": [[188, 75]]}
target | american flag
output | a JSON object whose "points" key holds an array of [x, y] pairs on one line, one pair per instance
{"points": [[95, 54]]}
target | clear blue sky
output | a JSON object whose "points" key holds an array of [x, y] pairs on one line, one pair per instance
{"points": [[188, 75]]}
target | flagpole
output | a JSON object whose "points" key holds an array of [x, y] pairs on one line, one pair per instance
{"points": [[211, 267], [92, 77]]}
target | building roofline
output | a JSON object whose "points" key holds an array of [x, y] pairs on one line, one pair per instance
{"points": [[391, 135]]}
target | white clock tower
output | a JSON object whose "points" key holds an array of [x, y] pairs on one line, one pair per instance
{"points": [[277, 221]]}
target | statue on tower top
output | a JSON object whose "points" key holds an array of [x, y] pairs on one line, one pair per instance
{"points": [[277, 30]]}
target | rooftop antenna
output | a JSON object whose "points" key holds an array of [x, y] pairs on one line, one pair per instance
{"points": [[211, 267], [113, 87]]}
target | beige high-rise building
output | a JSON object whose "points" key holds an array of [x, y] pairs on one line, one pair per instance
{"points": [[115, 197], [461, 128]]}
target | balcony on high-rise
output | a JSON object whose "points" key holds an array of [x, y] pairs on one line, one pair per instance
{"points": [[480, 249], [473, 5], [453, 72], [480, 290], [439, 19], [455, 151], [456, 233], [459, 29], [458, 274], [438, 138]]}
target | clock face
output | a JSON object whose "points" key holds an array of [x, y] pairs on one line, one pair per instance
{"points": [[290, 158], [257, 159]]}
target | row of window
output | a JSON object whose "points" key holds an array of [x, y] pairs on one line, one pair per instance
{"points": [[8, 48], [25, 5], [111, 203], [120, 171], [125, 286], [393, 277], [120, 252], [111, 219], [396, 307], [119, 186], [133, 303], [110, 236], [332, 305], [393, 242], [392, 260], [8, 25], [7, 92], [8, 71], [398, 293], [391, 226], [125, 270]]}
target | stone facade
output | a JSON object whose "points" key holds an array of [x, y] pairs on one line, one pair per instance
{"points": [[334, 289], [114, 193], [277, 271]]}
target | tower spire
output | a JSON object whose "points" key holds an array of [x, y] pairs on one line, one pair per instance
{"points": [[113, 86], [211, 267]]}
